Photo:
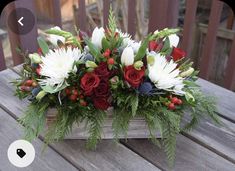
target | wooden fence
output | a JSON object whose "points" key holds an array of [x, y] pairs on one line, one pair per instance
{"points": [[159, 17]]}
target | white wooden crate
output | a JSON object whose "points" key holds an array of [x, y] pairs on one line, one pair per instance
{"points": [[137, 128]]}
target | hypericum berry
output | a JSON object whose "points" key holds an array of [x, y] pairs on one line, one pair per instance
{"points": [[179, 102], [110, 61], [81, 96], [28, 83], [83, 103], [34, 84], [25, 88], [171, 106], [75, 92], [67, 91], [73, 97], [174, 100], [107, 53]]}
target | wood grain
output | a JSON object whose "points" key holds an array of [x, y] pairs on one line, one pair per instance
{"points": [[10, 131], [189, 156], [108, 156]]}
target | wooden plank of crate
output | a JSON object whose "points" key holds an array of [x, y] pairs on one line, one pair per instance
{"points": [[189, 155], [11, 131], [108, 156]]}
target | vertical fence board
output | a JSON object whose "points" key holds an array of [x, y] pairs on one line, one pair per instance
{"points": [[230, 70], [172, 13], [157, 14], [189, 22], [210, 41], [2, 58], [131, 23], [57, 13], [82, 15], [28, 42], [14, 39], [106, 6]]}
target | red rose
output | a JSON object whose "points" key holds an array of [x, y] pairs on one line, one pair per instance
{"points": [[88, 82], [132, 76], [177, 54], [101, 103], [102, 90], [102, 71]]}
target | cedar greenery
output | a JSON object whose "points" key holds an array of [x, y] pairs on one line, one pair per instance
{"points": [[127, 102]]}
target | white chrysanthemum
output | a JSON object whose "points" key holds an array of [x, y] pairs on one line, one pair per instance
{"points": [[57, 65], [126, 38], [165, 75]]}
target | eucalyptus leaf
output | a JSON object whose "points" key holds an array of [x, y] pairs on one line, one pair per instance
{"points": [[43, 45]]}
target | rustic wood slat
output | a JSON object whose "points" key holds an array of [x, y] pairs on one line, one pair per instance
{"points": [[2, 58], [189, 155], [82, 15], [172, 16], [189, 22], [210, 41], [225, 98], [131, 23], [57, 13], [11, 131], [28, 42], [230, 70], [108, 156], [157, 14], [106, 6]]}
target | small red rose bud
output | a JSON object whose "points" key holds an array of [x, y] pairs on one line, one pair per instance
{"points": [[38, 70], [110, 61], [153, 45], [171, 106]]}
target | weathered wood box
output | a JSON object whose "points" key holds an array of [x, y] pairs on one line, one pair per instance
{"points": [[137, 128]]}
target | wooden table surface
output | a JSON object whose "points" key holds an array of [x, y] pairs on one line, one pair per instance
{"points": [[208, 147]]}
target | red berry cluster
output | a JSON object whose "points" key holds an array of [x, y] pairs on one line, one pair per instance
{"points": [[173, 102], [75, 95], [107, 54], [28, 85]]}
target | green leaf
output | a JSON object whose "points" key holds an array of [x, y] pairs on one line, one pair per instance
{"points": [[43, 45], [51, 90], [134, 104], [105, 44], [189, 97], [142, 50], [93, 49]]}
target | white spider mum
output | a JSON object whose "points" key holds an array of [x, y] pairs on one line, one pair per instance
{"points": [[57, 65], [165, 75], [126, 38]]}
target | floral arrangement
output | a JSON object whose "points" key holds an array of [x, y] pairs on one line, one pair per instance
{"points": [[83, 77]]}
